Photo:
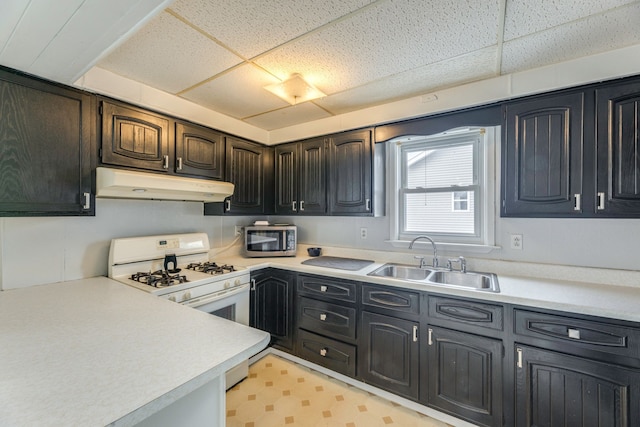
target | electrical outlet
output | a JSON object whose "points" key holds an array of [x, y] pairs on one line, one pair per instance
{"points": [[238, 230], [516, 241], [363, 233]]}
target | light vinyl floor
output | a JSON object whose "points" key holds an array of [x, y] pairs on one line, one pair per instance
{"points": [[279, 392]]}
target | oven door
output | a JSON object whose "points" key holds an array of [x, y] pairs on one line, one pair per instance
{"points": [[231, 304]]}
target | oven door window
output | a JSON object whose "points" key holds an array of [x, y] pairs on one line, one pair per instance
{"points": [[265, 241], [228, 312]]}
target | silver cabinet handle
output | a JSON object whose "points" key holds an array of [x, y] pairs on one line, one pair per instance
{"points": [[323, 352], [323, 317], [165, 162], [87, 200], [415, 333], [576, 205], [228, 205], [430, 338], [601, 201], [323, 288], [179, 166], [253, 284], [368, 204], [519, 362], [573, 333], [301, 205], [294, 206]]}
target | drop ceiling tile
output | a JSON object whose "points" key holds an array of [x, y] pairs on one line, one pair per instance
{"points": [[386, 39], [527, 17], [169, 55], [600, 33], [462, 69], [239, 93], [289, 116], [237, 22]]}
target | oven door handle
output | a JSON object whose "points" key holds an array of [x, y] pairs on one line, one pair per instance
{"points": [[197, 302]]}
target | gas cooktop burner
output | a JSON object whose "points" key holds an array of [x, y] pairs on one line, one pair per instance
{"points": [[159, 279], [211, 267]]}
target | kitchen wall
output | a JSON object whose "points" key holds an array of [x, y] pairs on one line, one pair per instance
{"points": [[44, 250], [35, 251]]}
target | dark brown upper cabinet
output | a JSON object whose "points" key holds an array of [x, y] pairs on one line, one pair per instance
{"points": [[543, 156], [350, 173], [46, 137], [135, 138], [300, 178], [199, 151], [249, 166], [618, 150]]}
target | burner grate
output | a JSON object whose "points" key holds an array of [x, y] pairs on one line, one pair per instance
{"points": [[159, 279], [211, 268]]}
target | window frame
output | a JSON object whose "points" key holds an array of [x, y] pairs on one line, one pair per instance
{"points": [[485, 208]]}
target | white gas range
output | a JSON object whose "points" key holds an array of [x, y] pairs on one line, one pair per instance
{"points": [[177, 267]]}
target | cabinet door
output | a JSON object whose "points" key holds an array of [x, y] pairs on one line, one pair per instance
{"points": [[388, 354], [245, 169], [272, 305], [555, 389], [45, 148], [465, 375], [286, 171], [350, 173], [313, 186], [542, 157], [618, 141], [199, 151], [135, 138]]}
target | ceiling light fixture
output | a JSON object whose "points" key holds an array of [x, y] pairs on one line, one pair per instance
{"points": [[295, 90]]}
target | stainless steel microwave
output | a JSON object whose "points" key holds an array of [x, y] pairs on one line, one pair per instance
{"points": [[270, 240]]}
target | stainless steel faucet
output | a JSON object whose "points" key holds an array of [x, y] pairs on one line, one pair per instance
{"points": [[435, 251], [461, 260]]}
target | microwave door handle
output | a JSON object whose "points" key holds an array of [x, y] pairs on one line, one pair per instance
{"points": [[217, 296]]}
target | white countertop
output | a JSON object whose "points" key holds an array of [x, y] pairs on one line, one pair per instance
{"points": [[96, 352], [596, 299]]}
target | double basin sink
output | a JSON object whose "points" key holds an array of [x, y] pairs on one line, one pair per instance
{"points": [[470, 280]]}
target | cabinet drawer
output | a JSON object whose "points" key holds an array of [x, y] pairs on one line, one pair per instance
{"points": [[327, 287], [327, 319], [390, 298], [326, 352], [451, 311], [578, 334]]}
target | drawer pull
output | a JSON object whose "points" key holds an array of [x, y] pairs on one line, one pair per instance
{"points": [[323, 288], [323, 352], [573, 333], [323, 317], [415, 333], [430, 336], [519, 363]]}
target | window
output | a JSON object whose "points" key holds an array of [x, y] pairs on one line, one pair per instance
{"points": [[444, 187], [460, 201]]}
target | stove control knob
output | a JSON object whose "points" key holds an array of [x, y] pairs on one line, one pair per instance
{"points": [[237, 282], [227, 285], [172, 298], [186, 296]]}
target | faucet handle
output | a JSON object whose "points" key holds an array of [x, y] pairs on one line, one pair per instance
{"points": [[423, 264]]}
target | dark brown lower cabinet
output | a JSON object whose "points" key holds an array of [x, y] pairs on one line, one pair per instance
{"points": [[389, 354], [271, 305], [333, 354], [465, 375], [555, 389]]}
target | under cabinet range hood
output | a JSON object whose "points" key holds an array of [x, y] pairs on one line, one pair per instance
{"points": [[125, 184]]}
